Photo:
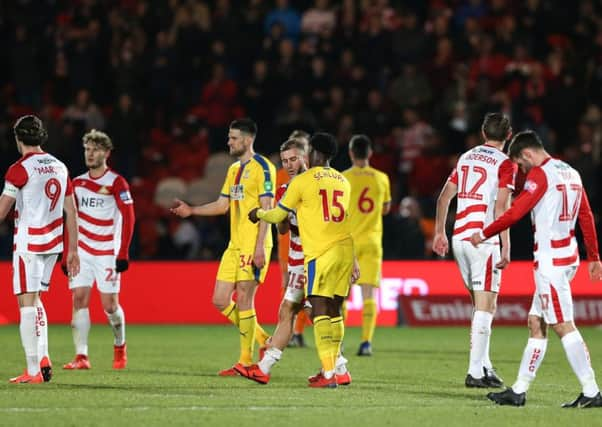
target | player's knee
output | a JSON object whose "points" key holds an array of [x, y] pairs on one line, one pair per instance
{"points": [[220, 303], [285, 313], [537, 329]]}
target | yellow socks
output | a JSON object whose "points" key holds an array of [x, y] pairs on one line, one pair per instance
{"points": [[323, 338], [338, 332], [368, 319], [231, 312], [246, 327]]}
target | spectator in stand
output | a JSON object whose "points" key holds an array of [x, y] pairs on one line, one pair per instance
{"points": [[404, 237], [84, 112], [410, 89], [286, 16], [318, 18]]}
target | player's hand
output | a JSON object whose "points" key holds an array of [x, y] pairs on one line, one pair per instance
{"points": [[440, 244], [595, 271], [259, 258], [121, 265], [253, 215], [72, 264], [181, 209], [504, 260], [476, 239], [355, 273]]}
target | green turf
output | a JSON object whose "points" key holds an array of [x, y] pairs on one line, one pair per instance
{"points": [[414, 378]]}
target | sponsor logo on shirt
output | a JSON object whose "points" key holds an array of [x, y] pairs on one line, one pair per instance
{"points": [[125, 196], [237, 192], [268, 186]]}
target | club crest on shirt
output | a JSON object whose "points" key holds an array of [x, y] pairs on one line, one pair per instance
{"points": [[104, 190], [237, 192], [530, 186], [246, 173]]}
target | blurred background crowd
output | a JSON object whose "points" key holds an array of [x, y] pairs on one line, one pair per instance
{"points": [[164, 78]]}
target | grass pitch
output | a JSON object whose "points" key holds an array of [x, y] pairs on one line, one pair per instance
{"points": [[416, 377]]}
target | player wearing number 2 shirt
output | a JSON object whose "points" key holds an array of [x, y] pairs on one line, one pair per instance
{"points": [[555, 196], [39, 186], [370, 200], [482, 180], [320, 197], [105, 212]]}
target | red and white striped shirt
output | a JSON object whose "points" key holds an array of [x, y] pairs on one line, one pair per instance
{"points": [[479, 174], [554, 194], [295, 250], [105, 212], [39, 183]]}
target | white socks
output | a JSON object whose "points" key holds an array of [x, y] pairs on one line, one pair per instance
{"points": [[29, 339], [532, 358], [340, 366], [271, 356], [578, 356], [117, 322], [480, 332], [81, 328], [41, 329]]}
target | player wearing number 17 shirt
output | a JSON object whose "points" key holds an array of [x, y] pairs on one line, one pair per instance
{"points": [[370, 200], [555, 196], [482, 180], [105, 212], [38, 185]]}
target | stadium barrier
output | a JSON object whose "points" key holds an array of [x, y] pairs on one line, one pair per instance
{"points": [[428, 292]]}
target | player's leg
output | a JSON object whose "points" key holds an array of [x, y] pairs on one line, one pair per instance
{"points": [[245, 294], [27, 277], [323, 336], [42, 319], [116, 318], [480, 336], [369, 314], [369, 256], [338, 334]]}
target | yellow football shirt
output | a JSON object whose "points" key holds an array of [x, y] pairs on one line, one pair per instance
{"points": [[245, 183], [320, 196], [370, 189]]}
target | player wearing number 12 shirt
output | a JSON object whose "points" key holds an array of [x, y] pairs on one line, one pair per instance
{"points": [[370, 200], [482, 180], [38, 185], [320, 197], [105, 212]]}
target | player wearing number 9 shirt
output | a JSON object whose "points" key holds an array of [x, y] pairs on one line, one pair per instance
{"points": [[39, 186], [320, 196], [370, 200], [482, 180], [105, 212]]}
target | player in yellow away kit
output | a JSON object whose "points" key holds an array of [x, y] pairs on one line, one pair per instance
{"points": [[320, 197], [248, 185], [370, 200]]}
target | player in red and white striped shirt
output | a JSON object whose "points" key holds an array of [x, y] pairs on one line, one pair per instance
{"points": [[483, 181], [105, 212], [555, 196], [39, 186]]}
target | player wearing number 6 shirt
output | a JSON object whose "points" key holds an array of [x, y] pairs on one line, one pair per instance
{"points": [[320, 197], [370, 200], [555, 196], [39, 186], [105, 212], [483, 180]]}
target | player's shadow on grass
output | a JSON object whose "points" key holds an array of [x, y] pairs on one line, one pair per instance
{"points": [[438, 394]]}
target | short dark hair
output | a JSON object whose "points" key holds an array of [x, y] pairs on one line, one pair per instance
{"points": [[324, 143], [360, 146], [496, 126], [522, 140], [30, 130], [245, 125], [293, 143]]}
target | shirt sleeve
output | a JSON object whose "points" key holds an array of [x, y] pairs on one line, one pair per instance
{"points": [[226, 187], [69, 190], [280, 192], [588, 228], [387, 189], [453, 176], [125, 204], [507, 174], [268, 179], [16, 175], [534, 189], [292, 196]]}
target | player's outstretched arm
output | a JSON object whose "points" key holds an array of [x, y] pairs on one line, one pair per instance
{"points": [[440, 243], [273, 216], [259, 255], [71, 224], [184, 210], [502, 204]]}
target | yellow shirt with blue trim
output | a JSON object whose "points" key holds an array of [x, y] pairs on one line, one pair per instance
{"points": [[370, 190], [320, 197], [245, 183]]}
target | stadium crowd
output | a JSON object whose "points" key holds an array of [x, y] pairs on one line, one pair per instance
{"points": [[164, 78]]}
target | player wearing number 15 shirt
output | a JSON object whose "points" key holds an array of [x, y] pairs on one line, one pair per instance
{"points": [[370, 200], [105, 212], [320, 197], [482, 180], [38, 185]]}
